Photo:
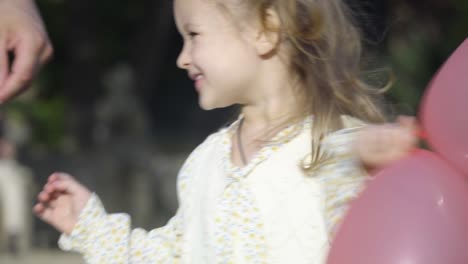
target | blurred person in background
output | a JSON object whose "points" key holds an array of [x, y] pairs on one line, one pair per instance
{"points": [[15, 200]]}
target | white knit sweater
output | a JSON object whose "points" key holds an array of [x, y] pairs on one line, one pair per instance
{"points": [[266, 212]]}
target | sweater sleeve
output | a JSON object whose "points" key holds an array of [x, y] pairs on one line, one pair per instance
{"points": [[342, 179], [108, 238]]}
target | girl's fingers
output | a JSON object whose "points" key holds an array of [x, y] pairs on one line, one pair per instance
{"points": [[410, 124], [60, 182], [43, 197], [43, 212], [406, 121], [49, 189], [38, 208], [60, 176], [50, 192], [63, 186], [46, 215], [54, 177]]}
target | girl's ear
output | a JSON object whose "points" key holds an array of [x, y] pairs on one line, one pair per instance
{"points": [[268, 36]]}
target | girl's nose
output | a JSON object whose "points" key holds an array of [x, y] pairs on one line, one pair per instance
{"points": [[183, 61]]}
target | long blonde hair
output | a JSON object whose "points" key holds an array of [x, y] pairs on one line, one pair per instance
{"points": [[325, 56]]}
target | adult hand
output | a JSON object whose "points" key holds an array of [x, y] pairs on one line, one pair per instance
{"points": [[23, 35], [61, 202]]}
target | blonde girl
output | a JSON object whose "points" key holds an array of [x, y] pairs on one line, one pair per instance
{"points": [[273, 186]]}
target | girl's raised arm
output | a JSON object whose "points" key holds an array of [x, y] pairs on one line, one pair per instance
{"points": [[100, 237]]}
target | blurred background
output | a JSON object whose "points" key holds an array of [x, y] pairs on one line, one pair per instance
{"points": [[112, 108]]}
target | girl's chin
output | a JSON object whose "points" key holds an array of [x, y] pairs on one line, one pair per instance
{"points": [[205, 105], [211, 105]]}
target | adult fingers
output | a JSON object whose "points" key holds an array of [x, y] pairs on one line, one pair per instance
{"points": [[22, 71], [4, 66], [46, 54]]}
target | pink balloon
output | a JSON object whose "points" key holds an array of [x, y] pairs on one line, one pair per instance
{"points": [[413, 212], [444, 110]]}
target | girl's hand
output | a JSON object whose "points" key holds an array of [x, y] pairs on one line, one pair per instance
{"points": [[61, 202], [379, 145]]}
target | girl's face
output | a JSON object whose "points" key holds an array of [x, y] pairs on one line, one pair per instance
{"points": [[220, 58]]}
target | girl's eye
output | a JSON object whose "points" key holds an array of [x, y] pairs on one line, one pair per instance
{"points": [[193, 34]]}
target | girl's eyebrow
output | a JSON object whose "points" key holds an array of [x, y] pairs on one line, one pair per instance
{"points": [[189, 26]]}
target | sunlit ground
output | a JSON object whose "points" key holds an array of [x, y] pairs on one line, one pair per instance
{"points": [[42, 257]]}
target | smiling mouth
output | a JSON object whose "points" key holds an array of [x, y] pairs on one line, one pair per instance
{"points": [[198, 79], [195, 76]]}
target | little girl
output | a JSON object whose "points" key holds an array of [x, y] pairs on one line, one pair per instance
{"points": [[274, 185]]}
